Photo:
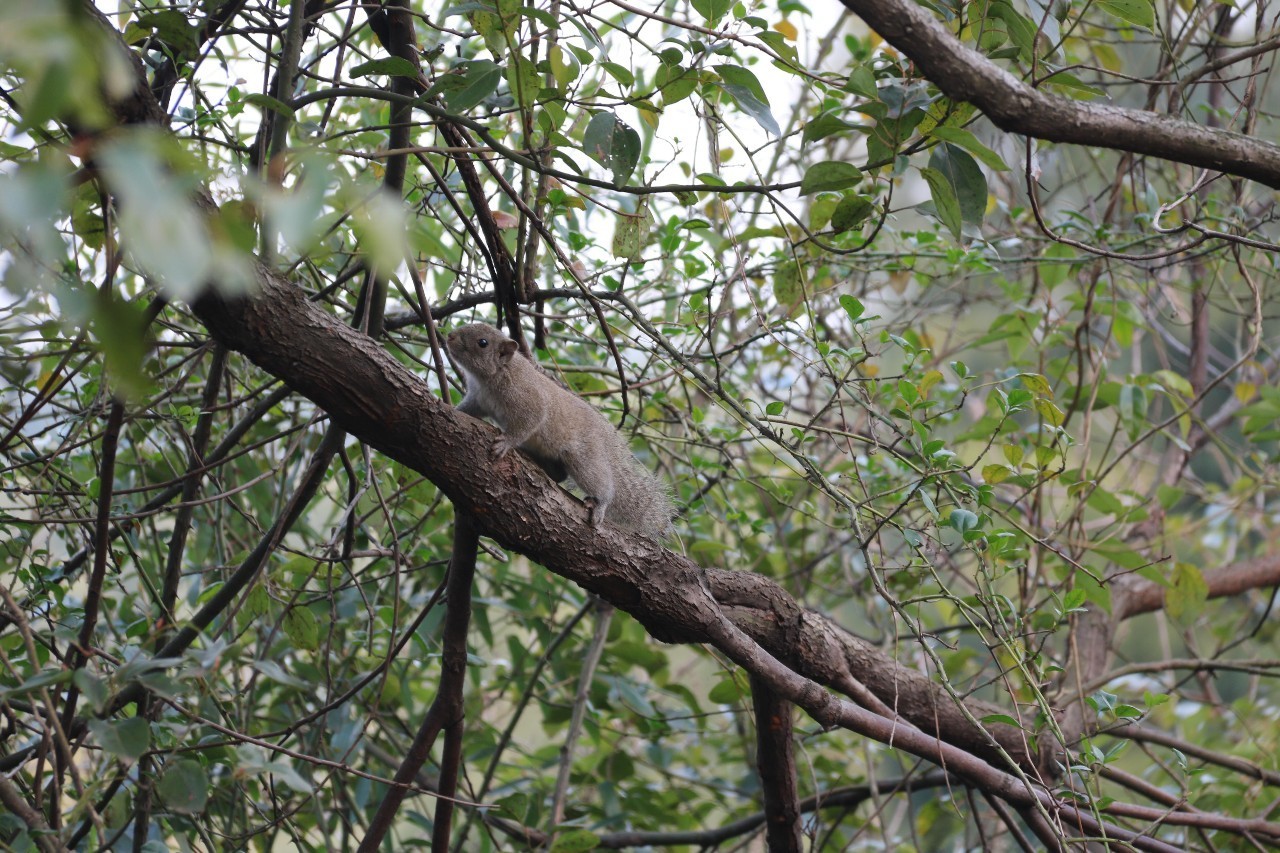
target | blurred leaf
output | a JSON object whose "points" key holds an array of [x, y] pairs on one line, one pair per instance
{"points": [[185, 786], [127, 739], [523, 79], [392, 66], [962, 520], [266, 102], [575, 841], [302, 629], [1140, 13], [1188, 592], [159, 224], [467, 84]]}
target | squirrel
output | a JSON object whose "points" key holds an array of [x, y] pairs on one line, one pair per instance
{"points": [[563, 433]]}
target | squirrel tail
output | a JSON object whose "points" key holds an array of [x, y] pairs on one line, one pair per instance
{"points": [[641, 501]]}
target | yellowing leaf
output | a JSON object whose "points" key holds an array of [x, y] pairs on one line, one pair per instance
{"points": [[787, 28], [995, 473], [1245, 391], [1050, 412], [1188, 592], [933, 377]]}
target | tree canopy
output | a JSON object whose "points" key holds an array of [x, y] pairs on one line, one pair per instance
{"points": [[946, 323]]}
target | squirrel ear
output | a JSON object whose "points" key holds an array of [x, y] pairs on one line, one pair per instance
{"points": [[506, 349]]}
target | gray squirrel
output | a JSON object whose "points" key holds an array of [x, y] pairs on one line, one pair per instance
{"points": [[563, 433]]}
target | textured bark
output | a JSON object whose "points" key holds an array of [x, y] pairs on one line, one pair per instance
{"points": [[776, 763]]}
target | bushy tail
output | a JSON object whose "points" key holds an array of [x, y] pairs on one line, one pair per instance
{"points": [[641, 501]]}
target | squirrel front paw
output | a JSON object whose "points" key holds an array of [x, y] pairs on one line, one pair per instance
{"points": [[501, 447]]}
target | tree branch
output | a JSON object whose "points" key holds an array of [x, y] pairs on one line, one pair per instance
{"points": [[776, 762], [963, 74]]}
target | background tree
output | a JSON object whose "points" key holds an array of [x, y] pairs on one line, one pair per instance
{"points": [[950, 336]]}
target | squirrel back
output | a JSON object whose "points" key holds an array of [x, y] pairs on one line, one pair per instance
{"points": [[563, 433]]}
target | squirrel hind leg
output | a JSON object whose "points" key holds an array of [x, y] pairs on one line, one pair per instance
{"points": [[593, 476], [555, 468], [595, 510]]}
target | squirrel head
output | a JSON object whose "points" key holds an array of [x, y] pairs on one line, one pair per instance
{"points": [[480, 349]]}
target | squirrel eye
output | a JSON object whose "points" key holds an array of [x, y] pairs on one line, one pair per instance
{"points": [[484, 342]]}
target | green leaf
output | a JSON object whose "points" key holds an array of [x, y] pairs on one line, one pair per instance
{"points": [[522, 78], [126, 739], [852, 306], [674, 83], [829, 175], [266, 102], [1153, 700], [613, 144], [575, 841], [1187, 593], [159, 224], [620, 73], [726, 692], [119, 332], [86, 221], [173, 28], [1049, 410], [44, 678], [1140, 13], [302, 629], [966, 179], [823, 126], [1022, 32], [630, 233], [93, 688], [774, 408], [393, 66], [1168, 496], [467, 84], [945, 203], [1036, 384], [746, 91], [994, 474], [185, 786], [962, 520], [1174, 382], [711, 10], [970, 143], [514, 806], [1002, 718], [564, 68], [851, 212], [862, 81], [1073, 599]]}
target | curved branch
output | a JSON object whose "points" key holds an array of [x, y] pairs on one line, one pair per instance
{"points": [[1144, 596], [963, 74]]}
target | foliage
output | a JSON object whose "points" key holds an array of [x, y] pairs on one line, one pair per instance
{"points": [[959, 391]]}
